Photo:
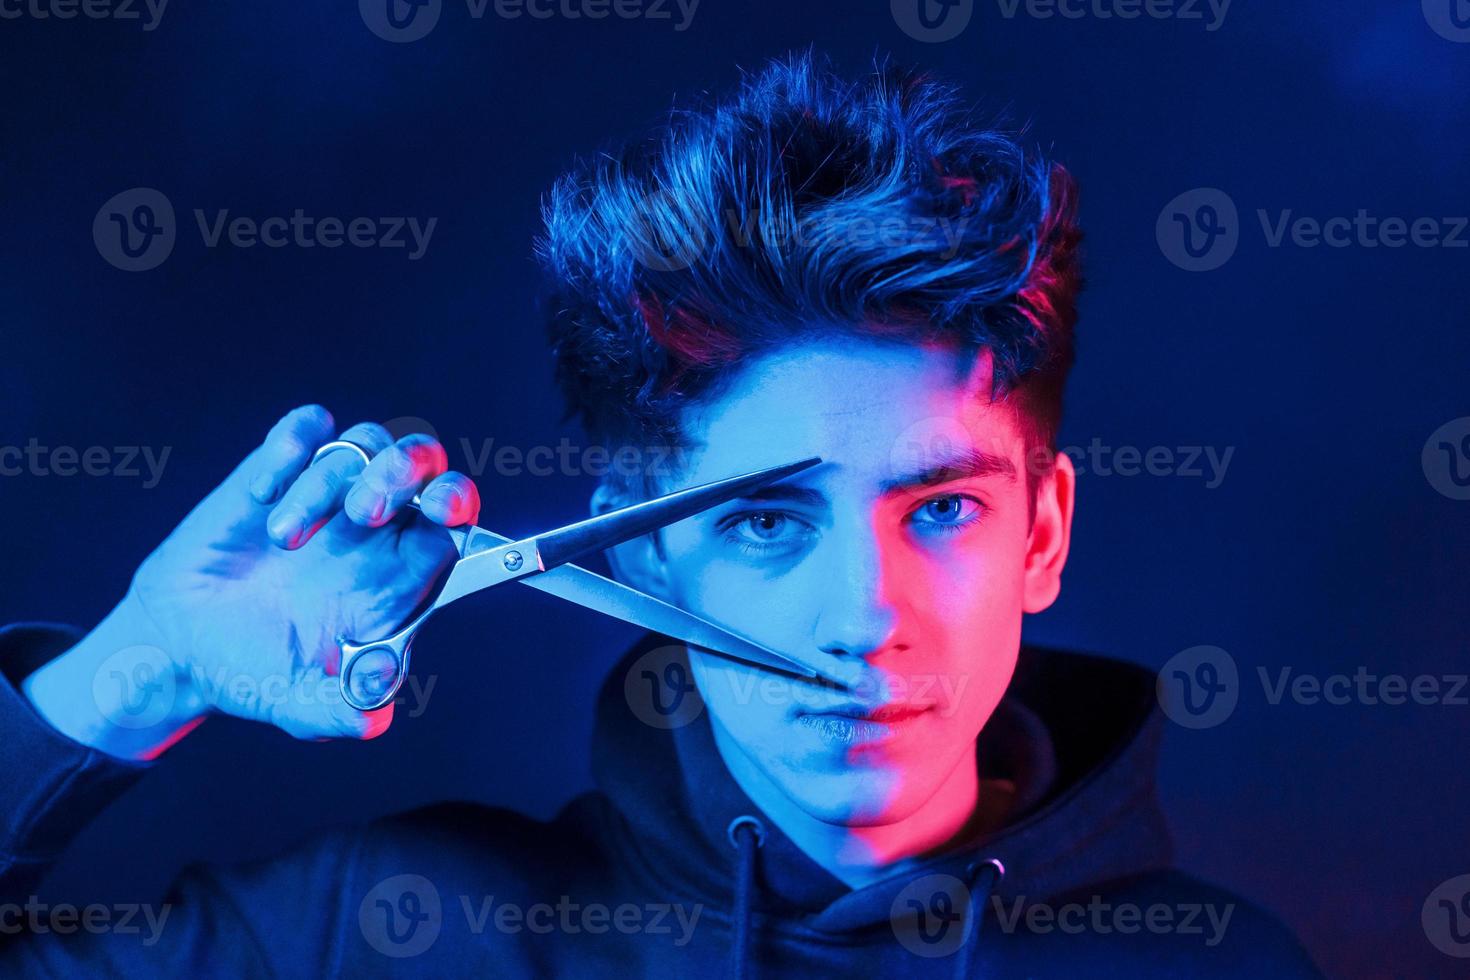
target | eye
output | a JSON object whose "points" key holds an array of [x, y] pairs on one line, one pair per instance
{"points": [[948, 513], [765, 526], [764, 531]]}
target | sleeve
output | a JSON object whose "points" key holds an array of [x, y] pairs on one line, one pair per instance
{"points": [[51, 786], [280, 917]]}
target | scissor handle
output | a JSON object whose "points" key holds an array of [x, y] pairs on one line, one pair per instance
{"points": [[357, 690]]}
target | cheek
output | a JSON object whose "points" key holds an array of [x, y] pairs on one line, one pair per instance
{"points": [[964, 592], [770, 608]]}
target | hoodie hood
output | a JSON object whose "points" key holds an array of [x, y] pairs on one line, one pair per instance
{"points": [[1076, 735]]}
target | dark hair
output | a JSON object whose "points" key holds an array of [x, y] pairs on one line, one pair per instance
{"points": [[753, 222]]}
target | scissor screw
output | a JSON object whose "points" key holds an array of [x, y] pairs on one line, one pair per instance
{"points": [[513, 560]]}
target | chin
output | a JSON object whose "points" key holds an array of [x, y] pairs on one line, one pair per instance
{"points": [[856, 798]]}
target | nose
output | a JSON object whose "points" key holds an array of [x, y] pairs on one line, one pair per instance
{"points": [[855, 617]]}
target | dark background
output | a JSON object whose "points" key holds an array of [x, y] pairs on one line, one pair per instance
{"points": [[1324, 549]]}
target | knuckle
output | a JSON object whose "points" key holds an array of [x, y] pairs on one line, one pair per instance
{"points": [[359, 507], [398, 465], [426, 452], [310, 418], [369, 434]]}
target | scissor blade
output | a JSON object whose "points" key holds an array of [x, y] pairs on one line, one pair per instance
{"points": [[597, 592], [568, 543], [586, 588]]}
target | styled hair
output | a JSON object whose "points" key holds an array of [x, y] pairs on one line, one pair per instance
{"points": [[803, 205]]}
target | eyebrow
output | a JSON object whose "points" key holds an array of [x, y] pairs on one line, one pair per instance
{"points": [[964, 464], [785, 493]]}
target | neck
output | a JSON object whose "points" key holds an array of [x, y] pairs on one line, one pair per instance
{"points": [[858, 856]]}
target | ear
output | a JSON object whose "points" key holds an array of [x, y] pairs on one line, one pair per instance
{"points": [[1051, 535], [638, 563]]}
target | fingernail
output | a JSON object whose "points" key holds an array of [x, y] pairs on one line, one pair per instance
{"points": [[377, 512], [262, 488], [447, 499], [285, 526]]}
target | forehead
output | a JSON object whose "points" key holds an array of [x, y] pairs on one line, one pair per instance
{"points": [[867, 406]]}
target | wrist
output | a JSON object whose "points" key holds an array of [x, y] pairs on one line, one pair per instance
{"points": [[121, 690]]}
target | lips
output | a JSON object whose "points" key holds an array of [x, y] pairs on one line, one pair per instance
{"points": [[848, 724]]}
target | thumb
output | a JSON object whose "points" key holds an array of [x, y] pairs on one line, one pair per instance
{"points": [[315, 709]]}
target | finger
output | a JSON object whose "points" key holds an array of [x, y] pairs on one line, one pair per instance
{"points": [[316, 496], [451, 500], [287, 449], [314, 709], [393, 477]]}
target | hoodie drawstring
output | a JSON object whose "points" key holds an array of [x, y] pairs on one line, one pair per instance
{"points": [[746, 833], [983, 877]]}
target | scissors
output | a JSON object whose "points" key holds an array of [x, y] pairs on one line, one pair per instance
{"points": [[543, 561]]}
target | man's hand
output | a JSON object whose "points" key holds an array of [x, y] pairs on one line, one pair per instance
{"points": [[238, 609]]}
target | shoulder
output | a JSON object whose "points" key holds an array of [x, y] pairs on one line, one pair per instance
{"points": [[1179, 924]]}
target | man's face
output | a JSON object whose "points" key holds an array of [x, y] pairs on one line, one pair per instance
{"points": [[908, 553]]}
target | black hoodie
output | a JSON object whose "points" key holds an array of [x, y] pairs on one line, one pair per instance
{"points": [[668, 868]]}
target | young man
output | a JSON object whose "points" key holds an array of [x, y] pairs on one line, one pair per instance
{"points": [[813, 268]]}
